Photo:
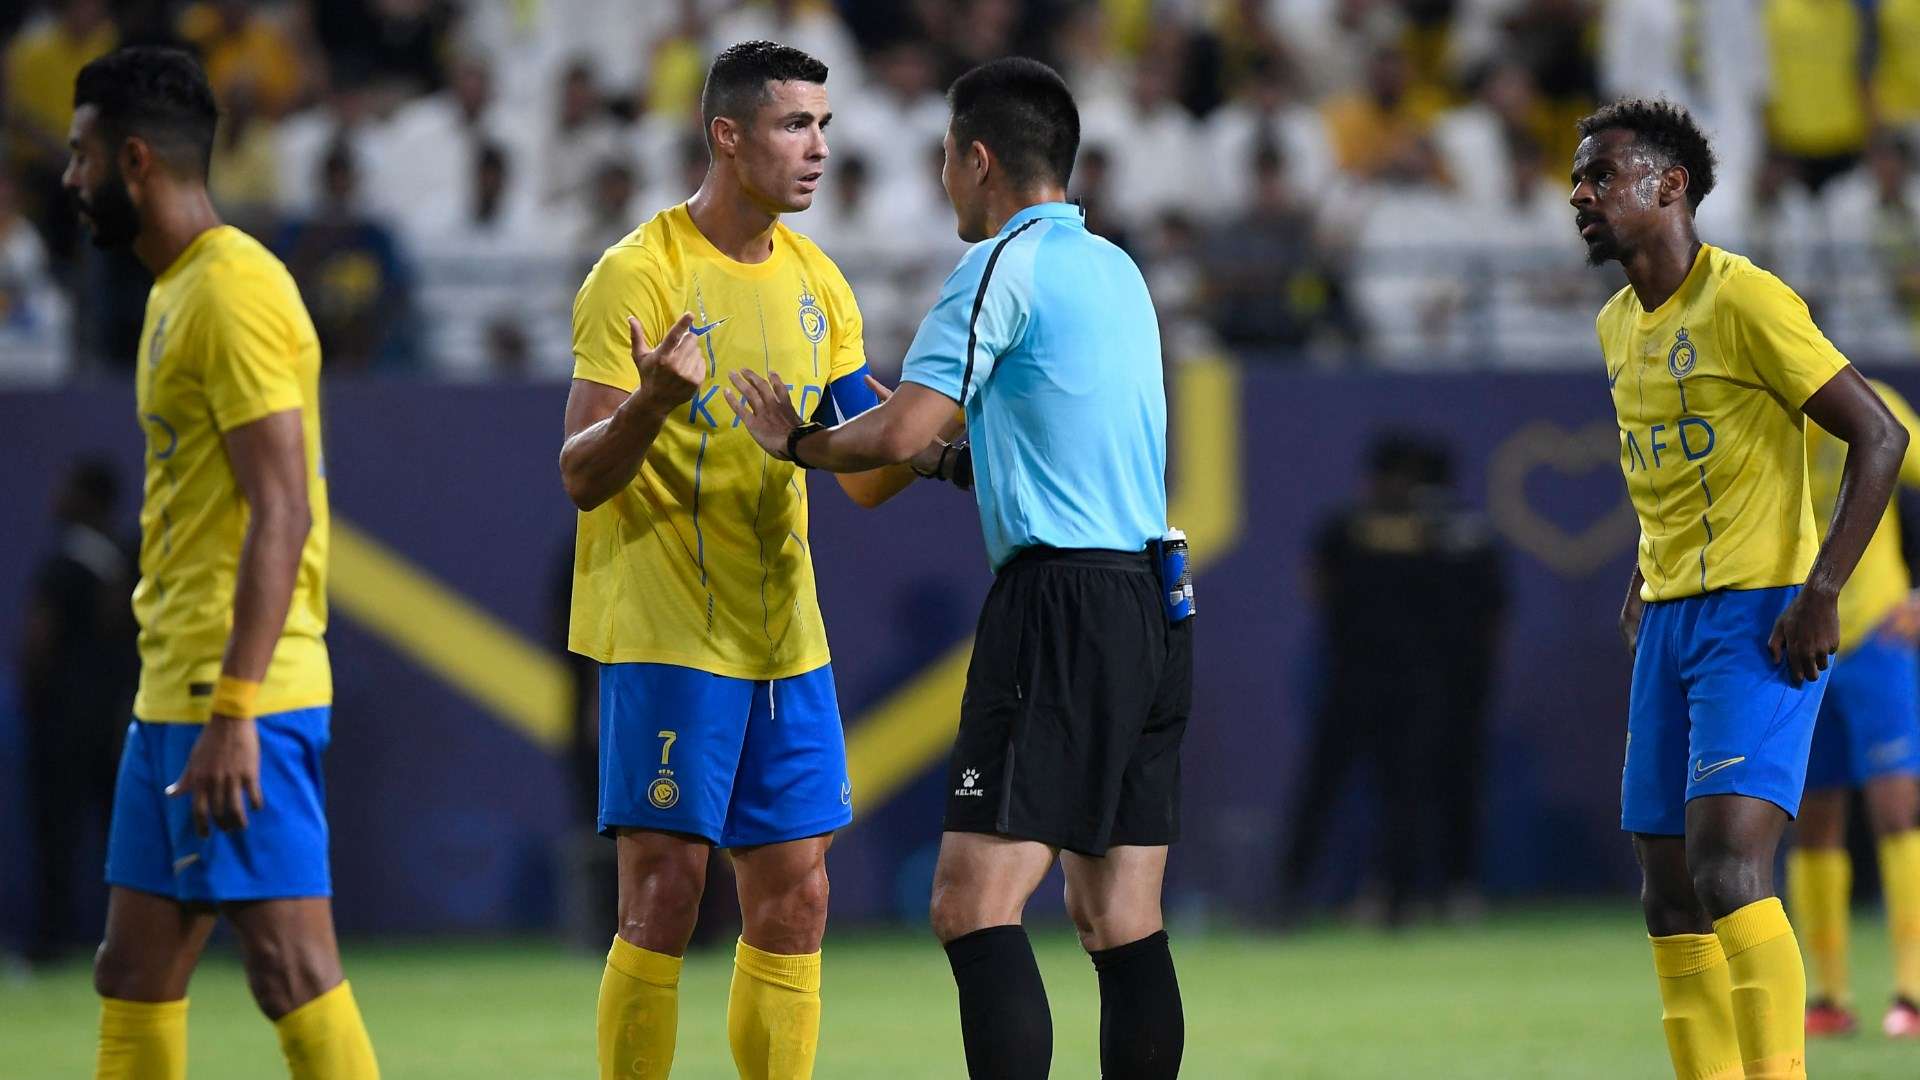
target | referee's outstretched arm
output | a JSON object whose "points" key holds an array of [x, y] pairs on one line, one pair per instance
{"points": [[903, 426]]}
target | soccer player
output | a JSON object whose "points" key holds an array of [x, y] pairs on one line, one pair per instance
{"points": [[693, 584], [219, 806], [1081, 680], [1868, 737], [1731, 611]]}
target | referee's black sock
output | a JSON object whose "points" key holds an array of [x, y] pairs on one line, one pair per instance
{"points": [[1004, 1019], [1142, 1030]]}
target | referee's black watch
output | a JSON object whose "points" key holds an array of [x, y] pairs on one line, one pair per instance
{"points": [[794, 437]]}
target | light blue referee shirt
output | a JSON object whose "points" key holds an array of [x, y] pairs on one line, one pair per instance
{"points": [[1045, 334]]}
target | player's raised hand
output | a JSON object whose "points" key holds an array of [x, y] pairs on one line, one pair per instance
{"points": [[879, 389], [670, 372], [222, 774], [1806, 635], [766, 407]]}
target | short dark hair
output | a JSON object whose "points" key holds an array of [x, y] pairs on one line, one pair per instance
{"points": [[157, 93], [737, 81], [1022, 110], [1667, 129]]}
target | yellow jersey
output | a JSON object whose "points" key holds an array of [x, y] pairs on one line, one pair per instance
{"points": [[40, 65], [1881, 580], [1708, 390], [702, 561], [226, 342], [1817, 106], [1896, 68]]}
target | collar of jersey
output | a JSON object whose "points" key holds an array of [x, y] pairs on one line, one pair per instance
{"points": [[193, 249], [1066, 211], [1673, 303], [705, 249]]}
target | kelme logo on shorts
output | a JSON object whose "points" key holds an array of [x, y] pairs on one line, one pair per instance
{"points": [[966, 789]]}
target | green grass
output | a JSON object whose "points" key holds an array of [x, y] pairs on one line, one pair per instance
{"points": [[1557, 993]]}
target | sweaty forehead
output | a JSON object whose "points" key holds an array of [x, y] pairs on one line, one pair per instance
{"points": [[1613, 144]]}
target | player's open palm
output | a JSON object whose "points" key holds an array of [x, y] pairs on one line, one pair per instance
{"points": [[670, 372], [766, 406], [222, 776], [1806, 635]]}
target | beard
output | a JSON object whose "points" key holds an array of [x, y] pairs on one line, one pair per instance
{"points": [[1604, 249], [108, 211]]}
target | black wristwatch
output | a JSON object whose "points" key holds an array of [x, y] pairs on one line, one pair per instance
{"points": [[794, 437]]}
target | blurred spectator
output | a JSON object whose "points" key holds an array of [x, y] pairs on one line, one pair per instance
{"points": [[1414, 232], [1160, 143], [345, 117], [78, 671], [1334, 40], [1267, 113], [611, 211], [1817, 106], [427, 176], [1783, 230], [1537, 294], [677, 68], [1093, 187], [1409, 594], [812, 26], [39, 67], [1877, 208], [245, 178], [242, 45], [34, 316], [396, 43], [1896, 68], [350, 271], [494, 286], [1086, 55], [1375, 126], [1269, 287], [1474, 138], [1177, 280], [581, 139], [891, 119]]}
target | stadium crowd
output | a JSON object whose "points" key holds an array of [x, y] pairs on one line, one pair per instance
{"points": [[1331, 182]]}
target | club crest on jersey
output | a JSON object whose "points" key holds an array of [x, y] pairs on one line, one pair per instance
{"points": [[1681, 358], [813, 321]]}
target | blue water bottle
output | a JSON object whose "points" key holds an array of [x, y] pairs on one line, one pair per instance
{"points": [[1176, 576]]}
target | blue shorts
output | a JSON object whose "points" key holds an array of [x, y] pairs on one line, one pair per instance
{"points": [[281, 854], [736, 761], [1870, 723], [1711, 713]]}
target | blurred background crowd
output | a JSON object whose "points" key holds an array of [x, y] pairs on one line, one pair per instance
{"points": [[1325, 182]]}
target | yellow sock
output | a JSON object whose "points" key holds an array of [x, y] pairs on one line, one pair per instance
{"points": [[1820, 888], [142, 1040], [1769, 990], [325, 1039], [773, 1014], [1697, 1007], [1900, 880], [639, 1012]]}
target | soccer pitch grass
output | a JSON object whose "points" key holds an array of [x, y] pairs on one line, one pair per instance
{"points": [[1549, 993]]}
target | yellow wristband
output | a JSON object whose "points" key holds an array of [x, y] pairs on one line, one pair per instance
{"points": [[234, 697]]}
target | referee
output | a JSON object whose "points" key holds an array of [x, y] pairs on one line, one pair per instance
{"points": [[1081, 681]]}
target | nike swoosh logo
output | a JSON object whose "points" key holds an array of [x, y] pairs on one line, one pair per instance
{"points": [[703, 331], [185, 861], [1701, 770]]}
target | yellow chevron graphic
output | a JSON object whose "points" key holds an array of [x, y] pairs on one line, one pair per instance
{"points": [[517, 680], [526, 687]]}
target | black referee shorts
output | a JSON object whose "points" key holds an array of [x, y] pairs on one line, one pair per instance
{"points": [[1076, 702]]}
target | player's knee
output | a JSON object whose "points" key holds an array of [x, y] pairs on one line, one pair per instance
{"points": [[130, 974], [283, 975], [660, 900], [1672, 910], [1726, 879], [791, 917]]}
